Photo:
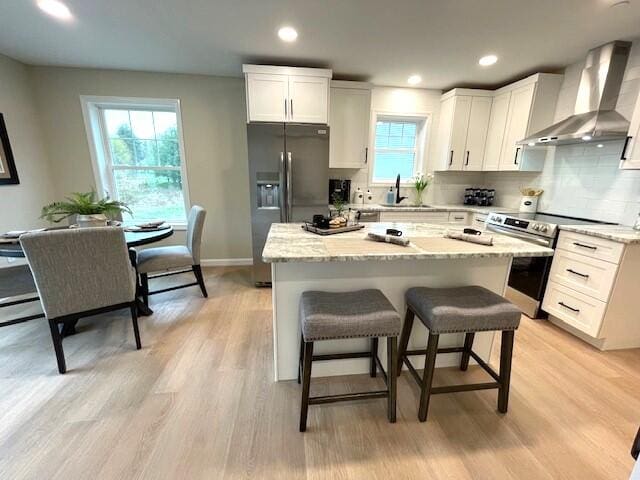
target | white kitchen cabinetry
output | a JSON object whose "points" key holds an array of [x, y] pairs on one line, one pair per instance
{"points": [[479, 221], [462, 130], [349, 119], [592, 290], [415, 217], [287, 94], [520, 109], [630, 158]]}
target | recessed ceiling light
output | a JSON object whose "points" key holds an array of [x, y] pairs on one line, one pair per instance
{"points": [[488, 60], [586, 138], [288, 34], [600, 145], [414, 79], [55, 9], [532, 144]]}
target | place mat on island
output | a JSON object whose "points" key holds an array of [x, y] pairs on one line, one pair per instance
{"points": [[448, 245], [361, 246]]}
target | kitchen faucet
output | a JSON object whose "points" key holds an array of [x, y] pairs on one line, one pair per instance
{"points": [[398, 197]]}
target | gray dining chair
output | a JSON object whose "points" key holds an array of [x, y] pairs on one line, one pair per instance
{"points": [[175, 259], [79, 273]]}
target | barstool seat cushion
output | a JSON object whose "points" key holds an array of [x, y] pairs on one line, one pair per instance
{"points": [[462, 309], [363, 313]]}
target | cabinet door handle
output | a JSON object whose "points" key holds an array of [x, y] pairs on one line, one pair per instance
{"points": [[515, 158], [366, 155], [467, 162], [451, 158], [578, 244], [291, 107], [577, 310], [285, 108], [583, 275], [623, 155]]}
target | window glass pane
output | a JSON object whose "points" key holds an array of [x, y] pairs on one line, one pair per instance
{"points": [[382, 141], [409, 129], [117, 121], [122, 151], [395, 142], [146, 153], [395, 129], [142, 124], [163, 122], [382, 128], [389, 164], [151, 194], [168, 153]]}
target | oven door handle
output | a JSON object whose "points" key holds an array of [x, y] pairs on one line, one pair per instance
{"points": [[526, 238]]}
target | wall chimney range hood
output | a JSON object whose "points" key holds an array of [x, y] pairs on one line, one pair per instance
{"points": [[594, 115]]}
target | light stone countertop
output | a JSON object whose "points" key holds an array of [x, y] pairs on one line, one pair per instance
{"points": [[407, 207], [288, 242], [616, 233]]}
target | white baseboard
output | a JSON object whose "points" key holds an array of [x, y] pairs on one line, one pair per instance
{"points": [[226, 262]]}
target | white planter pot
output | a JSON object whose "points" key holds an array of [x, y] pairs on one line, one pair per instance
{"points": [[96, 220], [529, 204]]}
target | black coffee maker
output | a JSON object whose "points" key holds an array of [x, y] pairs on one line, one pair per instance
{"points": [[341, 188]]}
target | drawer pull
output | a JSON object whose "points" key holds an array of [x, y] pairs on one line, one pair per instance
{"points": [[578, 244], [583, 275], [570, 308], [458, 218]]}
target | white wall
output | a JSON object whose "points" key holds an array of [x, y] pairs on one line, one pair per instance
{"points": [[20, 205], [214, 128]]}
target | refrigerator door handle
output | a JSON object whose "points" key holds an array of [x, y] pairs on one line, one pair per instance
{"points": [[282, 202], [289, 188]]}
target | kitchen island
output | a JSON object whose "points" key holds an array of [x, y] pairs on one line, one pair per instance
{"points": [[304, 261]]}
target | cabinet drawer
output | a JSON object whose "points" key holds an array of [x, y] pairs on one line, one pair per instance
{"points": [[479, 221], [576, 309], [460, 218], [593, 247], [415, 217], [584, 274]]}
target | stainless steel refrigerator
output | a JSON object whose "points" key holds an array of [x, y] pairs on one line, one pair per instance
{"points": [[289, 175]]}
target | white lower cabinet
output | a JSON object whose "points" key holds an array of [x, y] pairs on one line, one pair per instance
{"points": [[479, 221], [593, 288]]}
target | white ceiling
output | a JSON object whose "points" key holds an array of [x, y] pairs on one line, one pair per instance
{"points": [[383, 41]]}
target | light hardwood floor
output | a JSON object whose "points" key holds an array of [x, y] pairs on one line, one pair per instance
{"points": [[199, 402]]}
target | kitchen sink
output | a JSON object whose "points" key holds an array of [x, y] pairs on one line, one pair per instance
{"points": [[404, 205]]}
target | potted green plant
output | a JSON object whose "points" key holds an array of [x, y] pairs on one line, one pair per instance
{"points": [[89, 211], [420, 185], [338, 203]]}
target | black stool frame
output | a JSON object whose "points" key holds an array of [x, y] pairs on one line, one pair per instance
{"points": [[304, 375], [501, 382]]}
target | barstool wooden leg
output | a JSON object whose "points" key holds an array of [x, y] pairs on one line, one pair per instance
{"points": [[300, 358], [306, 384], [392, 363], [427, 376], [374, 352], [468, 345], [506, 354], [404, 338]]}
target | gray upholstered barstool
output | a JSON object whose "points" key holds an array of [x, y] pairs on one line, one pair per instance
{"points": [[459, 310], [360, 314]]}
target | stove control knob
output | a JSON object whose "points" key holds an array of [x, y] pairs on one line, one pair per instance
{"points": [[543, 228], [536, 226]]}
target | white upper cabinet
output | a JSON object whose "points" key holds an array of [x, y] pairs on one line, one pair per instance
{"points": [[462, 130], [477, 132], [308, 99], [287, 94], [349, 116], [630, 158], [495, 134], [516, 127], [519, 110], [267, 97]]}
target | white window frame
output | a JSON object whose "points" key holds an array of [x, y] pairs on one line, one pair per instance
{"points": [[422, 140], [98, 146]]}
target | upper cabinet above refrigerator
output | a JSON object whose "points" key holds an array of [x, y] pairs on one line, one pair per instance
{"points": [[287, 94]]}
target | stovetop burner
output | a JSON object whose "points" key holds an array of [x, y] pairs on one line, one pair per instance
{"points": [[559, 219]]}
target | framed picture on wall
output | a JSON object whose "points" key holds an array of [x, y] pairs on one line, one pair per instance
{"points": [[8, 172]]}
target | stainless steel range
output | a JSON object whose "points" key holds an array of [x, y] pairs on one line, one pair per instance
{"points": [[528, 277]]}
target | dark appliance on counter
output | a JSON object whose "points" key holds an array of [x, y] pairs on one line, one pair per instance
{"points": [[529, 275], [482, 197], [288, 174], [341, 188]]}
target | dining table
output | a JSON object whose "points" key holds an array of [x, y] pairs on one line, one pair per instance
{"points": [[10, 247]]}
